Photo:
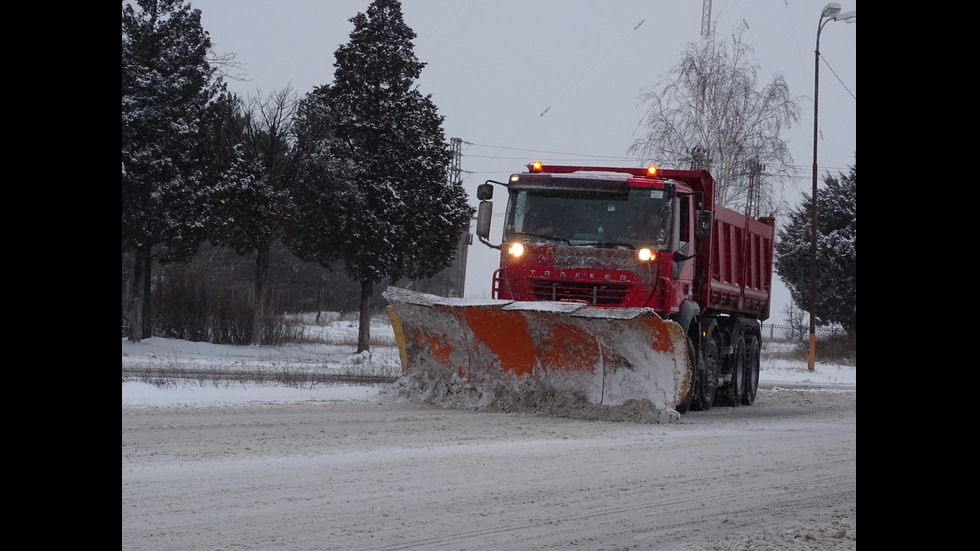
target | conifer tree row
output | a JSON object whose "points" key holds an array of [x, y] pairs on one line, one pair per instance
{"points": [[353, 174]]}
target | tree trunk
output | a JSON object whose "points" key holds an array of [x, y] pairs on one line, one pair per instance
{"points": [[136, 298], [318, 306], [258, 308], [147, 284], [364, 327]]}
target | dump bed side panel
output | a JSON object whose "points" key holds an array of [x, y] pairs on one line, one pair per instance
{"points": [[739, 275]]}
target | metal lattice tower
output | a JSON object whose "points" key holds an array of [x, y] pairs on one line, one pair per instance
{"points": [[456, 146], [457, 270], [706, 19]]}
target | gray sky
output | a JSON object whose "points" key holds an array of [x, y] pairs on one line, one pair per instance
{"points": [[556, 80]]}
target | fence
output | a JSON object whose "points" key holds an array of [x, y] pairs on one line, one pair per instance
{"points": [[777, 332]]}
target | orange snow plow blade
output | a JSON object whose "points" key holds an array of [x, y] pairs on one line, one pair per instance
{"points": [[610, 355]]}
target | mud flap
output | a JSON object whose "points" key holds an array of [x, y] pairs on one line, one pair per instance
{"points": [[608, 355]]}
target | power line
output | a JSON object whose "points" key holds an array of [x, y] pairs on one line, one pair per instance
{"points": [[825, 62], [795, 170]]}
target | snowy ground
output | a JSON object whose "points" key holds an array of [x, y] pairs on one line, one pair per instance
{"points": [[175, 356], [215, 466]]}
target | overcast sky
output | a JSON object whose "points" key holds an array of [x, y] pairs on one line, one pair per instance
{"points": [[555, 80]]}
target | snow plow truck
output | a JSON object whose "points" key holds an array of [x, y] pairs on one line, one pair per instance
{"points": [[616, 284]]}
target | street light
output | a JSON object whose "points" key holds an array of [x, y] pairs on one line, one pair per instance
{"points": [[831, 12]]}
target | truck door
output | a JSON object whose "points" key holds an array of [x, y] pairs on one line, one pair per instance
{"points": [[683, 238]]}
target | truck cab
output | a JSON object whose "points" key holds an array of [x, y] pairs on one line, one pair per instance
{"points": [[608, 238]]}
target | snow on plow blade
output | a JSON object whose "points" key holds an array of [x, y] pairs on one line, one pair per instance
{"points": [[610, 355]]}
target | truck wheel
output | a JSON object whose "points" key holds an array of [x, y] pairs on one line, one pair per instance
{"points": [[685, 404], [731, 394], [708, 383], [752, 352]]}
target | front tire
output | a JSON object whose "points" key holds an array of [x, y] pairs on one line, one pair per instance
{"points": [[708, 382]]}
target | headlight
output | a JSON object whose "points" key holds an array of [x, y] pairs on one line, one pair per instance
{"points": [[646, 255], [516, 249]]}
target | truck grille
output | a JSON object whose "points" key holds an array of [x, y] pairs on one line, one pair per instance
{"points": [[596, 295]]}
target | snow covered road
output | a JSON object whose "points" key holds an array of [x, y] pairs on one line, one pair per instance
{"points": [[385, 475]]}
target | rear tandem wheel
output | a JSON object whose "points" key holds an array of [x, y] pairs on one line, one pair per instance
{"points": [[752, 352], [731, 394]]}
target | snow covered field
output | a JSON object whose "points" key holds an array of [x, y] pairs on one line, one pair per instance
{"points": [[211, 466]]}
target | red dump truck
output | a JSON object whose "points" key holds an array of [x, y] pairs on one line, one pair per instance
{"points": [[616, 283]]}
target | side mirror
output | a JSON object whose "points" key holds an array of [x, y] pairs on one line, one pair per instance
{"points": [[702, 224], [483, 217], [484, 192]]}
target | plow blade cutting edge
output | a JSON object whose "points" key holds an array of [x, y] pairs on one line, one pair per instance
{"points": [[609, 355]]}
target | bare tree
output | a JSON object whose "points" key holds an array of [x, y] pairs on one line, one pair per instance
{"points": [[797, 322], [709, 112], [228, 66], [254, 210]]}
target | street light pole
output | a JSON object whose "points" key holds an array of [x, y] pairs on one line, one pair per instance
{"points": [[831, 12]]}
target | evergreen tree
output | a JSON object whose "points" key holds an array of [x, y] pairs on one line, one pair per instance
{"points": [[167, 86], [388, 211], [836, 284], [313, 232]]}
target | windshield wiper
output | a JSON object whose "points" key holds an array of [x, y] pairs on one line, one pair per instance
{"points": [[551, 237]]}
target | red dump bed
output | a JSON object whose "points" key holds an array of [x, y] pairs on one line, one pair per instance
{"points": [[739, 267]]}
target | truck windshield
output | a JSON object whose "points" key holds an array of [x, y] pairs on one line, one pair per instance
{"points": [[639, 219]]}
